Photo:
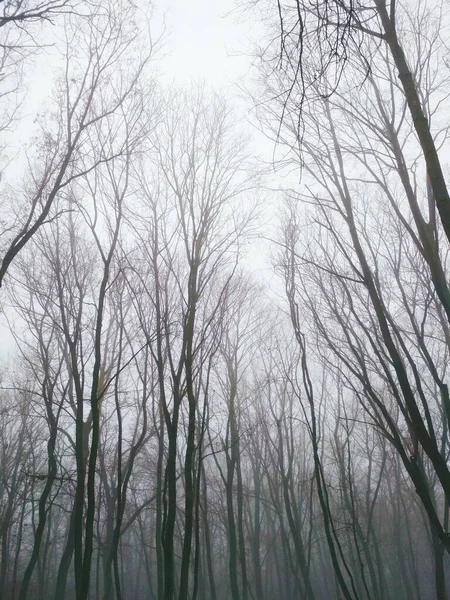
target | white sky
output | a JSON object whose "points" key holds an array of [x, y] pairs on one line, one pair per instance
{"points": [[206, 40], [211, 41]]}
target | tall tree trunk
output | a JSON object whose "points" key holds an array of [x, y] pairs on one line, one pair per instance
{"points": [[421, 124], [42, 511]]}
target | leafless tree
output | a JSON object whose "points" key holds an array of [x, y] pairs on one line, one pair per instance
{"points": [[92, 87], [317, 41]]}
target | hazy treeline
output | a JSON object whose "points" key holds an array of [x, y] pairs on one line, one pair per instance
{"points": [[169, 426]]}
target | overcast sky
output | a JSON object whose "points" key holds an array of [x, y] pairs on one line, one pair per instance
{"points": [[212, 41], [206, 40]]}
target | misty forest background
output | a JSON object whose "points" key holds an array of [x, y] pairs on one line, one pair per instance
{"points": [[225, 339]]}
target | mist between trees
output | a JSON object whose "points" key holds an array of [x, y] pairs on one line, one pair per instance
{"points": [[170, 427]]}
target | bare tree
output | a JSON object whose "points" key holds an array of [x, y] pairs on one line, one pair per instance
{"points": [[188, 246], [84, 99], [318, 40]]}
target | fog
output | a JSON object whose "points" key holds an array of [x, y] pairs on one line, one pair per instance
{"points": [[224, 300]]}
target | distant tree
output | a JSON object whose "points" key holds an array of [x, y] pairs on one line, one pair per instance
{"points": [[188, 240]]}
